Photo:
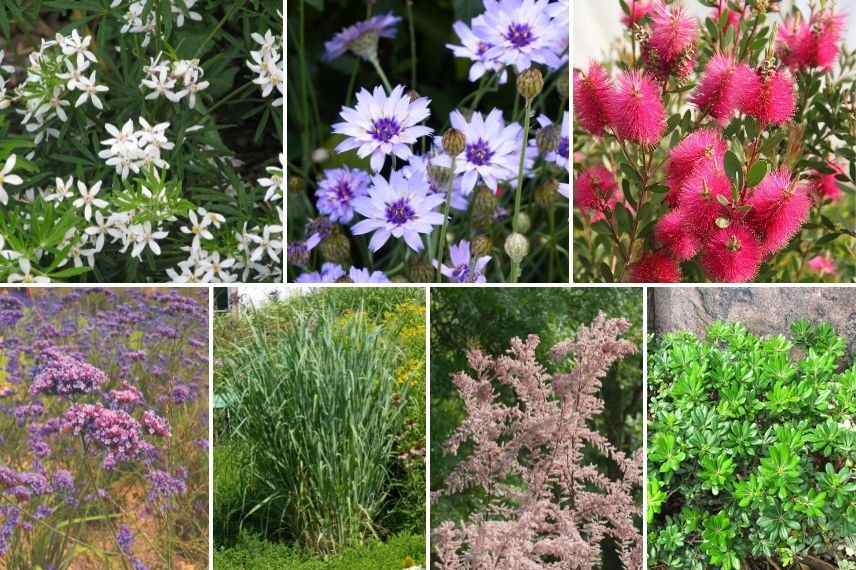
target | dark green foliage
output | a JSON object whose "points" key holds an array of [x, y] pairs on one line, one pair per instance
{"points": [[751, 448]]}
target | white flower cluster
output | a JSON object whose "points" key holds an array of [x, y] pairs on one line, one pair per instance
{"points": [[56, 73], [274, 184], [129, 149], [268, 64], [163, 77], [139, 20]]}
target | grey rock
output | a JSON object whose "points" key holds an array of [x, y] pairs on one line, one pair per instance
{"points": [[764, 310]]}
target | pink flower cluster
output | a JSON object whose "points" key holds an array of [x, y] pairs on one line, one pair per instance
{"points": [[559, 508], [115, 431], [732, 228], [61, 374]]}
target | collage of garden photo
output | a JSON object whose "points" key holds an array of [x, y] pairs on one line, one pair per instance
{"points": [[427, 284]]}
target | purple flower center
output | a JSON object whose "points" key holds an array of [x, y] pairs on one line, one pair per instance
{"points": [[563, 147], [483, 47], [520, 35], [479, 153], [399, 212], [461, 273], [384, 129], [344, 192]]}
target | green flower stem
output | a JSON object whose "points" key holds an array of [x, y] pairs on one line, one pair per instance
{"points": [[382, 75], [518, 194], [440, 248], [409, 5], [352, 83]]}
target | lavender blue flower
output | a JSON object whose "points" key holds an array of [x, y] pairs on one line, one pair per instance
{"points": [[522, 33], [337, 190], [330, 273], [361, 38], [163, 488], [382, 125], [114, 430], [464, 267], [400, 208], [11, 517], [475, 48]]}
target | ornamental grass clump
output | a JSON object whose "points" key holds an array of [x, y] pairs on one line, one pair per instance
{"points": [[103, 429], [718, 148], [752, 450], [318, 409], [544, 505]]}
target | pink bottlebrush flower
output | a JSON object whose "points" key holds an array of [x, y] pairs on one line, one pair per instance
{"points": [[825, 186], [732, 254], [724, 83], [596, 189], [675, 232], [794, 43], [592, 90], [779, 208], [672, 31], [635, 109], [827, 28], [823, 265], [706, 196], [771, 100], [698, 149], [734, 17], [639, 10], [655, 267]]}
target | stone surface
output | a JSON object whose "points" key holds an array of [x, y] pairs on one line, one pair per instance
{"points": [[764, 310]]}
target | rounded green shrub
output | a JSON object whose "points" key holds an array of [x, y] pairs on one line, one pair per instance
{"points": [[751, 449]]}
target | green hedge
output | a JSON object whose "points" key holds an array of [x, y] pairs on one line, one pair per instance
{"points": [[398, 552]]}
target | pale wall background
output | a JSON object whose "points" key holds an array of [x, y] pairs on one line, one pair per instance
{"points": [[597, 24]]}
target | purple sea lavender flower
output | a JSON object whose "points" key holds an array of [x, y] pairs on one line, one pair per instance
{"points": [[11, 517], [492, 152], [475, 48], [362, 37], [182, 393], [522, 33], [114, 430], [464, 267], [61, 374], [337, 191], [400, 207], [382, 125], [127, 397], [163, 488], [155, 424], [11, 310]]}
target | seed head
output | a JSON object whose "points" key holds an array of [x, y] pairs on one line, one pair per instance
{"points": [[481, 245], [530, 83], [336, 248], [483, 208], [517, 247], [454, 142]]}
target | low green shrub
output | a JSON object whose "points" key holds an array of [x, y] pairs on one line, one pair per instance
{"points": [[319, 411], [400, 551], [752, 449]]}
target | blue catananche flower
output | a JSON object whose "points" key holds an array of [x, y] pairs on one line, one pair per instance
{"points": [[337, 191], [399, 207], [361, 38], [522, 33], [333, 273], [475, 48], [464, 267], [381, 125]]}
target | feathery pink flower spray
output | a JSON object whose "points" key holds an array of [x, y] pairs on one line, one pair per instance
{"points": [[672, 31], [635, 109]]}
